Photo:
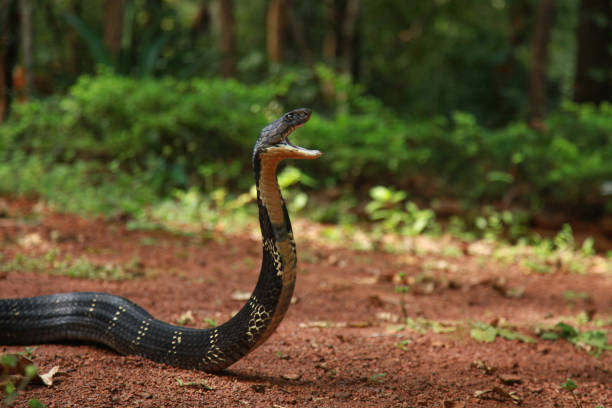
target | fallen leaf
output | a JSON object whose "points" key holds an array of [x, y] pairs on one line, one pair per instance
{"points": [[47, 378], [510, 379], [186, 318], [387, 316], [359, 324], [370, 280], [31, 240], [17, 367], [291, 376], [453, 404], [481, 365], [238, 295], [498, 394]]}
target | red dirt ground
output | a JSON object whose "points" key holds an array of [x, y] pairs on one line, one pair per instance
{"points": [[335, 347]]}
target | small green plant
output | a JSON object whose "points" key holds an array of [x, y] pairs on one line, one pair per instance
{"points": [[451, 251], [402, 344], [377, 378], [592, 341], [35, 403], [191, 211], [211, 322], [16, 372], [486, 333], [54, 262], [536, 266], [571, 386], [421, 325], [147, 241], [392, 214], [402, 290], [572, 297]]}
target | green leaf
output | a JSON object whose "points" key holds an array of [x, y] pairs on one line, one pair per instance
{"points": [[569, 385], [31, 371], [211, 322], [594, 341], [513, 335], [150, 55], [289, 176], [380, 193], [379, 377], [9, 388], [485, 334], [500, 176], [549, 335], [35, 403], [437, 327], [9, 360], [565, 330], [94, 42], [299, 201]]}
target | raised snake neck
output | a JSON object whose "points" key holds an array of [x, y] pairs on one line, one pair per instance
{"points": [[129, 329]]}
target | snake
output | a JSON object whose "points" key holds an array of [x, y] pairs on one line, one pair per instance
{"points": [[122, 325]]}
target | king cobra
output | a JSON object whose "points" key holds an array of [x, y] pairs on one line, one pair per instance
{"points": [[129, 329]]}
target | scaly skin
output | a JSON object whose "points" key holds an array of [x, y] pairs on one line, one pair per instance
{"points": [[129, 329]]}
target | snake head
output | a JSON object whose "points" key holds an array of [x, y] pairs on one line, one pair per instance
{"points": [[274, 138]]}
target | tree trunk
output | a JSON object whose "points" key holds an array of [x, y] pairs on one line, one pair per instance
{"points": [[349, 28], [330, 40], [113, 26], [340, 38], [299, 33], [539, 59], [25, 11], [519, 14], [593, 66], [201, 23], [75, 8], [227, 42], [276, 29], [9, 25]]}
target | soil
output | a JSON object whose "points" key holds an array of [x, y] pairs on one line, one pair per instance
{"points": [[340, 344]]}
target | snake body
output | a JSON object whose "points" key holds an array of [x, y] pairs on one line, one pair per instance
{"points": [[129, 329]]}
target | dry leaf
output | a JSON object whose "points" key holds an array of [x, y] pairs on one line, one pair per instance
{"points": [[18, 372], [47, 378], [186, 318], [453, 404], [510, 379], [239, 295]]}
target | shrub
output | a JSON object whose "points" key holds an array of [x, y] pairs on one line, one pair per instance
{"points": [[172, 133]]}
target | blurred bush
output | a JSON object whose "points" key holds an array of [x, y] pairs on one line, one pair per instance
{"points": [[178, 133]]}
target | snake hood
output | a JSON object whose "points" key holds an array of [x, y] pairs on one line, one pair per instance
{"points": [[274, 138]]}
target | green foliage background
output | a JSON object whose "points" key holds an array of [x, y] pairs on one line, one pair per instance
{"points": [[150, 136], [433, 105]]}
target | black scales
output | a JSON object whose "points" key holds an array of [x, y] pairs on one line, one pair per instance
{"points": [[129, 329]]}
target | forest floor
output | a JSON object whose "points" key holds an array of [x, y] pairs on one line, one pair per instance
{"points": [[350, 338]]}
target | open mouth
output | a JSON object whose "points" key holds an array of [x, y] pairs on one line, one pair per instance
{"points": [[298, 152], [288, 142]]}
